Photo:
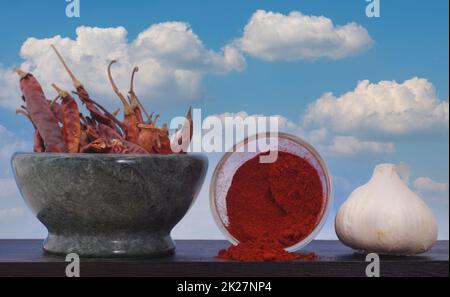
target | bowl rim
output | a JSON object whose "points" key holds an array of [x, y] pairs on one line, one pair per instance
{"points": [[329, 199], [112, 156]]}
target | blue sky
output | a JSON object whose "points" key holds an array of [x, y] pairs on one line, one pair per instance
{"points": [[409, 40]]}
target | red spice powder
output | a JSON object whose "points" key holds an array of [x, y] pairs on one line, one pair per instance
{"points": [[272, 206]]}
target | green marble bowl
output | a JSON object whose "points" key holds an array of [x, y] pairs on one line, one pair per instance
{"points": [[99, 205]]}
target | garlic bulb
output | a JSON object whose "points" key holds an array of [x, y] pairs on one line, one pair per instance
{"points": [[386, 217]]}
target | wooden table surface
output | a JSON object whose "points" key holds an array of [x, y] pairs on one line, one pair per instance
{"points": [[195, 258]]}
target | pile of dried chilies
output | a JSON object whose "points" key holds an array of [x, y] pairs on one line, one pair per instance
{"points": [[61, 127]]}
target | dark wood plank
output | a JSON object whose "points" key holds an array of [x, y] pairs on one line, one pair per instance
{"points": [[197, 258]]}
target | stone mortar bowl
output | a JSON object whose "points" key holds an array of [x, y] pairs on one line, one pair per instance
{"points": [[99, 205]]}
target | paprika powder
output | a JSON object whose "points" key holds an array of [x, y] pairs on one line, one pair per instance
{"points": [[271, 206]]}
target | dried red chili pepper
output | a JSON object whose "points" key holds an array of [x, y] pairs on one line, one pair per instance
{"points": [[91, 132], [82, 93], [164, 140], [38, 146], [134, 148], [148, 136], [182, 138], [56, 109], [84, 139], [115, 146], [134, 101], [131, 148], [40, 113], [154, 139], [112, 146], [130, 120], [102, 131], [71, 120], [116, 112], [106, 132], [96, 146]]}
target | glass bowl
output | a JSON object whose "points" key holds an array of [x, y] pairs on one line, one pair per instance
{"points": [[238, 155]]}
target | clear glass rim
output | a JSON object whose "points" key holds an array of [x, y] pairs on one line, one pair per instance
{"points": [[296, 139]]}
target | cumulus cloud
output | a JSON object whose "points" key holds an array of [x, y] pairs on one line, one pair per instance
{"points": [[349, 145], [236, 126], [9, 88], [426, 184], [274, 36], [342, 145], [284, 124], [7, 213], [171, 57], [15, 220], [8, 188], [435, 194], [342, 183], [9, 144], [326, 142], [19, 222], [386, 108]]}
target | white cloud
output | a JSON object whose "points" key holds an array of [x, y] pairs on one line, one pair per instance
{"points": [[404, 171], [386, 108], [18, 222], [9, 89], [8, 188], [426, 184], [15, 220], [349, 145], [7, 213], [435, 194], [273, 36], [325, 142], [9, 144], [171, 57], [342, 183], [320, 135], [284, 125]]}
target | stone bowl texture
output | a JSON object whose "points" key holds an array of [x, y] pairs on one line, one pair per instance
{"points": [[101, 205]]}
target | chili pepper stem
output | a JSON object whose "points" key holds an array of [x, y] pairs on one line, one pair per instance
{"points": [[54, 100], [165, 129], [189, 119], [131, 92], [134, 100], [83, 119], [20, 72], [150, 119], [75, 81], [61, 93], [127, 108], [155, 119], [111, 116], [116, 112], [189, 114], [23, 112], [145, 126]]}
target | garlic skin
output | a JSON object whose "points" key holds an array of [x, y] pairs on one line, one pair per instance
{"points": [[386, 217]]}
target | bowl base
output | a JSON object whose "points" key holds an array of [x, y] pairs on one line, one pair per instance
{"points": [[110, 245]]}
